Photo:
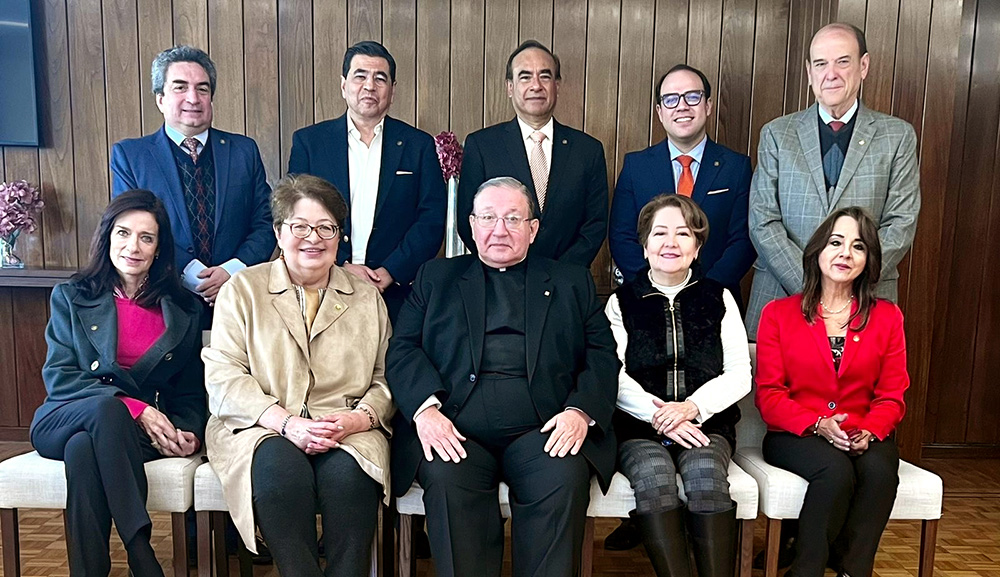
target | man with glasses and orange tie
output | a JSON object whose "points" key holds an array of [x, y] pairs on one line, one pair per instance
{"points": [[687, 162]]}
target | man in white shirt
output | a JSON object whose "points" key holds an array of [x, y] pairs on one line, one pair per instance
{"points": [[388, 172], [564, 169]]}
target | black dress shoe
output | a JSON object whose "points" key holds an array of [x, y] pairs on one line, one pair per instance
{"points": [[263, 555], [421, 544], [625, 537], [786, 554]]}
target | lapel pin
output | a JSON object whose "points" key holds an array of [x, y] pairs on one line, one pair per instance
{"points": [[346, 238], [93, 327], [716, 163], [94, 365], [337, 307], [856, 338], [565, 141], [399, 143], [547, 293], [861, 142], [222, 141]]}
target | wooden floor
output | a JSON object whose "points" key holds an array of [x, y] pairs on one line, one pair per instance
{"points": [[968, 535]]}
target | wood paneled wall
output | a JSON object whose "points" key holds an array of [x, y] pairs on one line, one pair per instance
{"points": [[279, 67]]}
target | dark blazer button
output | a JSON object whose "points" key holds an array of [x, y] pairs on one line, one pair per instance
{"points": [[472, 378], [169, 356], [832, 405]]}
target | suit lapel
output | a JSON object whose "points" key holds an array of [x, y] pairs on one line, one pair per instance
{"points": [[220, 156], [851, 343], [562, 151], [818, 330], [711, 165], [177, 323], [336, 141], [537, 298], [163, 157], [861, 139], [472, 286], [808, 131], [392, 152], [287, 305], [518, 157], [99, 317], [333, 305]]}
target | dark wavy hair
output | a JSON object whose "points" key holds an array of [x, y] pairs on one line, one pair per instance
{"points": [[865, 283], [100, 275]]}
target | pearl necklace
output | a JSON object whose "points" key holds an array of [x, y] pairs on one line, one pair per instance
{"points": [[838, 311]]}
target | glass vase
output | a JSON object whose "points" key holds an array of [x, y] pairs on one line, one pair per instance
{"points": [[7, 257]]}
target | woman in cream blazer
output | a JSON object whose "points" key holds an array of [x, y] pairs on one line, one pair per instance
{"points": [[298, 400]]}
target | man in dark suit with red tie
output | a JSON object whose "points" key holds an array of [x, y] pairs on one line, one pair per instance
{"points": [[687, 162], [564, 169]]}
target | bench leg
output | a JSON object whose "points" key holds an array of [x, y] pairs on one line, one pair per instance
{"points": [[746, 548], [928, 545], [773, 547], [217, 521], [204, 523], [407, 562], [179, 536], [587, 556], [387, 541], [246, 563], [11, 543]]}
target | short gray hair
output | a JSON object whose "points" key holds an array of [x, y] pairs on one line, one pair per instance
{"points": [[511, 183], [180, 53]]}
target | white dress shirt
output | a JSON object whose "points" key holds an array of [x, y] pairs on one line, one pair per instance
{"points": [[695, 153], [529, 144], [827, 118], [712, 397], [364, 164]]}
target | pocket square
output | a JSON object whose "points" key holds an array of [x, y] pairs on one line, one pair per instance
{"points": [[398, 172], [719, 191]]}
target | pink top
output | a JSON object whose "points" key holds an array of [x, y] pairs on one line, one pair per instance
{"points": [[138, 329]]}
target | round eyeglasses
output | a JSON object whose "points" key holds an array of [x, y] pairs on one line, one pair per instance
{"points": [[303, 230], [691, 97]]}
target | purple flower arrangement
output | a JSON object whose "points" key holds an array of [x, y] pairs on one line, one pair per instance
{"points": [[20, 205], [449, 153]]}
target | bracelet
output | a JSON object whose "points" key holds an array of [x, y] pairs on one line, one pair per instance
{"points": [[816, 426], [368, 413], [285, 424]]}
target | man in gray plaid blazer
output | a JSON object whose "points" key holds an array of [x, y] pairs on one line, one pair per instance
{"points": [[836, 153]]}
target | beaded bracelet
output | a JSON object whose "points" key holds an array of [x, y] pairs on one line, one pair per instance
{"points": [[285, 424], [816, 426], [371, 417]]}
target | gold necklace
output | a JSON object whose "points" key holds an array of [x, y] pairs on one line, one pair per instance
{"points": [[838, 311]]}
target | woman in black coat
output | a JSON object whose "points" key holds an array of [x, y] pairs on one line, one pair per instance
{"points": [[124, 382]]}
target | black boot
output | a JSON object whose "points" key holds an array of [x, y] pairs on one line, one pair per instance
{"points": [[665, 540], [625, 537], [713, 538]]}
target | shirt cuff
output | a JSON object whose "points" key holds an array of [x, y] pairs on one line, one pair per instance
{"points": [[432, 401], [135, 406], [233, 266], [590, 423]]}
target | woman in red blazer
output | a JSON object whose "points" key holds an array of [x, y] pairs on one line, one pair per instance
{"points": [[831, 373]]}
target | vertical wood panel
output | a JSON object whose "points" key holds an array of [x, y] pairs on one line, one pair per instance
{"points": [[191, 23], [400, 38], [799, 33], [295, 88], [21, 163], [29, 350], [329, 46], [670, 39], [90, 133], [55, 158], [225, 45], [433, 45], [634, 74], [121, 44], [364, 21], [501, 40], [156, 32], [603, 31], [733, 100], [852, 12], [569, 42], [535, 21], [704, 42], [260, 33], [467, 72], [770, 46], [8, 373], [880, 32]]}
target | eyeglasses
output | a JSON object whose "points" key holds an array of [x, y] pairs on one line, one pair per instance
{"points": [[511, 221], [303, 230], [691, 97]]}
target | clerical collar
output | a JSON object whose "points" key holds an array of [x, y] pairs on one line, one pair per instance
{"points": [[521, 265]]}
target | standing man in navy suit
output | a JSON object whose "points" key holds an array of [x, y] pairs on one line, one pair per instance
{"points": [[212, 182], [687, 162], [388, 172], [564, 169]]}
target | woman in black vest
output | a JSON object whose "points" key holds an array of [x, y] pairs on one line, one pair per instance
{"points": [[685, 365]]}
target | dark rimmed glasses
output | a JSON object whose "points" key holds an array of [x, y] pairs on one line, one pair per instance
{"points": [[303, 230], [691, 97]]}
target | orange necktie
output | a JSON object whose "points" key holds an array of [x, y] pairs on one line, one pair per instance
{"points": [[685, 184]]}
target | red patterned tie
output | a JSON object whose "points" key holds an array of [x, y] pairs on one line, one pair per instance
{"points": [[836, 125], [685, 184]]}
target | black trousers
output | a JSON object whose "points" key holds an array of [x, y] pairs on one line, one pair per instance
{"points": [[104, 451], [290, 487], [548, 496], [847, 504]]}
